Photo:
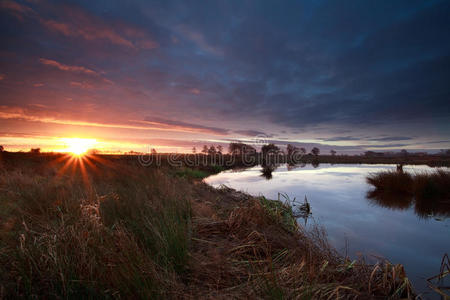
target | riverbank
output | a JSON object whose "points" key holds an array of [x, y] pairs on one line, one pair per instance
{"points": [[106, 227]]}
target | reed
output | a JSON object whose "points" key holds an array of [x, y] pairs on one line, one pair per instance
{"points": [[428, 191]]}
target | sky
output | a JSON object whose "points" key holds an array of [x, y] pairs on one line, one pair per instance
{"points": [[134, 75]]}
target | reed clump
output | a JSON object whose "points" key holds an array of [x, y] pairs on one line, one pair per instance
{"points": [[428, 191], [392, 182]]}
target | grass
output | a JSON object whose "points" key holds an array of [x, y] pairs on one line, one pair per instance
{"points": [[392, 182], [110, 228], [428, 191], [192, 173], [121, 230], [280, 212]]}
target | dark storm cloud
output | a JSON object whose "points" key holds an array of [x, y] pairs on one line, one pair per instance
{"points": [[355, 67], [340, 138], [378, 139], [254, 133], [391, 138], [184, 125]]}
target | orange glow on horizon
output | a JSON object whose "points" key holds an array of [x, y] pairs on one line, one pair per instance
{"points": [[79, 143], [79, 146]]}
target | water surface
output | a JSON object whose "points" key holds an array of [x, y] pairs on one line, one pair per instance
{"points": [[356, 224]]}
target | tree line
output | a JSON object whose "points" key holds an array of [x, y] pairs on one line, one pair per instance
{"points": [[238, 148]]}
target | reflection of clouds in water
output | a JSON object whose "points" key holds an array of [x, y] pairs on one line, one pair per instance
{"points": [[337, 195]]}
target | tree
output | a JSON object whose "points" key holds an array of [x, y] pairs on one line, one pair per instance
{"points": [[241, 148], [2, 148], [290, 149], [212, 150], [269, 148], [369, 153], [35, 150], [315, 151], [93, 151], [205, 149], [333, 153], [219, 149], [194, 150], [154, 151], [302, 150]]}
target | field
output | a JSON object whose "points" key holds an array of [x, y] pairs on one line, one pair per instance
{"points": [[108, 227]]}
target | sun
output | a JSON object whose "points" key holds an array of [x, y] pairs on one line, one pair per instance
{"points": [[79, 146]]}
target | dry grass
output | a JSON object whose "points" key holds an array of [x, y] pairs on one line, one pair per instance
{"points": [[114, 230], [392, 182], [429, 191], [252, 248], [118, 230]]}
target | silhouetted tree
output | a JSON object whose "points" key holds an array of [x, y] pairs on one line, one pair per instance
{"points": [[376, 154], [294, 154], [2, 148], [241, 148], [205, 149], [219, 149], [194, 150], [212, 150], [369, 153], [333, 153], [154, 151], [132, 152], [35, 150], [93, 152], [315, 151], [290, 150], [269, 148]]}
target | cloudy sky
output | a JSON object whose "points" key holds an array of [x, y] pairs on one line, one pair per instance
{"points": [[347, 75]]}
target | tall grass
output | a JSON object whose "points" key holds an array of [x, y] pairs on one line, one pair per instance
{"points": [[118, 233], [261, 252], [429, 191]]}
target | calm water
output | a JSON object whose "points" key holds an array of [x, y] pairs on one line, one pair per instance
{"points": [[338, 198]]}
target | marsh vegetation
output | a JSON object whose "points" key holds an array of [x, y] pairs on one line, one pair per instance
{"points": [[429, 192], [106, 227]]}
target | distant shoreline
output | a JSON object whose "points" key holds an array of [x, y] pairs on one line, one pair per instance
{"points": [[228, 161]]}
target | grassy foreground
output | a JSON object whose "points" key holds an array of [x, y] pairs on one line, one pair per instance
{"points": [[108, 228]]}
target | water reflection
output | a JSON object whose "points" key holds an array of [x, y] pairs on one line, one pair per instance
{"points": [[291, 167], [267, 170], [428, 193], [300, 210], [390, 200], [268, 165], [315, 164], [303, 210], [373, 224], [423, 207]]}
